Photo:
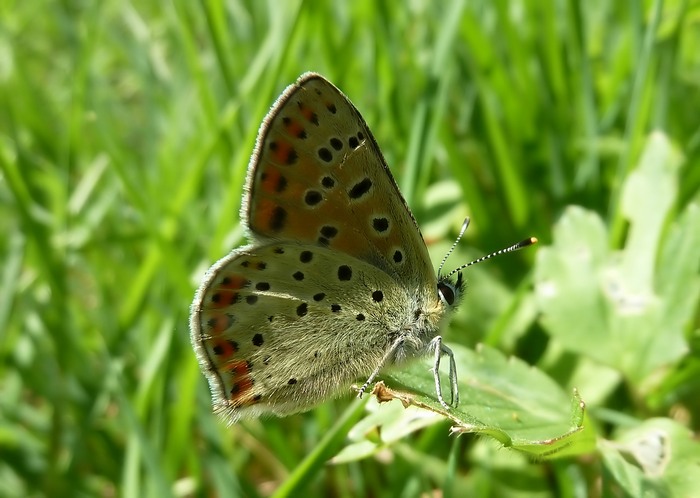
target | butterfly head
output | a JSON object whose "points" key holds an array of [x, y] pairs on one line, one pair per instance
{"points": [[449, 290]]}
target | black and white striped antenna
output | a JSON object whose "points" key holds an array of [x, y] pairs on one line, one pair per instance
{"points": [[515, 247]]}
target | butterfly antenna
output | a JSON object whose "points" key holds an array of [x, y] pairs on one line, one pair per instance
{"points": [[514, 247], [461, 232]]}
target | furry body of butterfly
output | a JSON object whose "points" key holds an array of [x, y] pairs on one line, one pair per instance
{"points": [[337, 282]]}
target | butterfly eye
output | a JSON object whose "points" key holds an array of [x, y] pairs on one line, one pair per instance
{"points": [[446, 293]]}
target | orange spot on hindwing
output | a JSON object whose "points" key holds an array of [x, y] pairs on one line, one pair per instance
{"points": [[219, 323], [295, 128], [241, 391], [309, 114], [234, 282]]}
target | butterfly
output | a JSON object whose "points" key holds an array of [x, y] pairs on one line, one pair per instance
{"points": [[336, 283]]}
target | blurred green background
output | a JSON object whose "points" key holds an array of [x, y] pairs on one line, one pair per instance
{"points": [[125, 132]]}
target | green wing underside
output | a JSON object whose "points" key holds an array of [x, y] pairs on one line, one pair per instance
{"points": [[285, 324]]}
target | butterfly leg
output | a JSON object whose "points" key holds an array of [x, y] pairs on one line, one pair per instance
{"points": [[385, 360], [453, 376], [439, 349]]}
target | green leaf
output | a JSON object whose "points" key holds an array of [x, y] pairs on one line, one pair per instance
{"points": [[386, 424], [501, 397], [623, 309], [658, 456]]}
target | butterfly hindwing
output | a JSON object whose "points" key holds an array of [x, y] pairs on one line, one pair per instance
{"points": [[283, 326]]}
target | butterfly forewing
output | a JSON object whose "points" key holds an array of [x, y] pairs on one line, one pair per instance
{"points": [[318, 177]]}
